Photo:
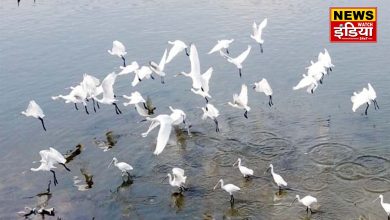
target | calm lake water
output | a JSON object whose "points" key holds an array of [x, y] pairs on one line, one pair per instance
{"points": [[315, 141]]}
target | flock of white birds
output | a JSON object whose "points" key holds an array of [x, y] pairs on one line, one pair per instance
{"points": [[102, 92]]}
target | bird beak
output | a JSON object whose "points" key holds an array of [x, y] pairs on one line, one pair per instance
{"points": [[110, 163], [235, 163], [164, 179], [375, 199], [293, 201], [267, 170], [215, 186]]}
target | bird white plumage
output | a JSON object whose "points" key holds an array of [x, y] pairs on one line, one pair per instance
{"points": [[204, 90], [177, 47], [307, 201], [385, 206], [237, 61], [194, 74], [364, 97], [210, 111], [241, 101], [159, 68], [118, 49], [108, 91], [245, 171], [229, 188], [257, 32], [177, 179], [221, 44], [35, 111], [307, 82], [264, 87], [128, 69], [138, 101], [165, 122], [142, 73], [277, 178], [122, 166]]}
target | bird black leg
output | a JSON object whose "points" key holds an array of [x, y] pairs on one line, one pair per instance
{"points": [[48, 187], [388, 217], [187, 52], [151, 76], [162, 80], [97, 104], [207, 101], [239, 72], [227, 51], [54, 176], [18, 2], [86, 110], [75, 106], [307, 209], [231, 199], [216, 125], [124, 61], [146, 107], [93, 103], [330, 68], [43, 124], [246, 114], [117, 110], [376, 104], [312, 91], [365, 112], [322, 78], [270, 103], [65, 167], [261, 48]]}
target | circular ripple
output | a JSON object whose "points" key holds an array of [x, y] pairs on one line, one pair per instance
{"points": [[208, 142], [268, 149], [374, 164], [258, 136], [224, 159], [330, 153], [350, 171], [350, 194], [313, 184], [377, 185]]}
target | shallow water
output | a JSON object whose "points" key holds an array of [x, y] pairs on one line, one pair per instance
{"points": [[314, 141]]}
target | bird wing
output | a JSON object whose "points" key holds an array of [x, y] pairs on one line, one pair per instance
{"points": [[262, 25], [118, 47], [305, 81], [163, 134], [206, 78], [195, 67], [243, 55], [254, 29], [163, 61], [216, 48], [136, 97], [243, 97], [358, 99], [129, 68], [176, 48], [57, 156], [371, 92], [265, 87], [212, 110], [107, 85], [178, 171], [35, 109]]}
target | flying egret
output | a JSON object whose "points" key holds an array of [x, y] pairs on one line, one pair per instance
{"points": [[179, 116], [165, 122], [34, 110], [325, 59], [177, 47], [241, 101], [257, 31], [177, 179], [317, 70], [237, 61], [49, 158], [277, 178], [142, 73], [222, 44], [306, 201], [209, 111], [108, 92], [307, 82], [364, 96], [385, 206], [136, 99], [263, 86], [194, 74], [77, 95], [245, 171], [90, 85], [122, 166], [230, 188], [129, 68], [159, 69], [204, 90], [118, 49]]}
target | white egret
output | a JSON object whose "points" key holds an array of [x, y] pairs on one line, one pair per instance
{"points": [[364, 96], [204, 90], [308, 82], [325, 59], [122, 166], [385, 206], [108, 92], [317, 70], [263, 86], [118, 49], [34, 110], [307, 201], [245, 171], [49, 158], [177, 47], [165, 122], [277, 178], [159, 69], [90, 85], [177, 179], [237, 61], [209, 111], [179, 116], [194, 74], [129, 68], [222, 44], [142, 73], [136, 99], [241, 101], [230, 188], [257, 32], [77, 95]]}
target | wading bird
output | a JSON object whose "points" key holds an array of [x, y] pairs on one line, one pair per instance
{"points": [[77, 95], [34, 110], [122, 166], [49, 158], [209, 111], [129, 68], [385, 206], [165, 122], [307, 201], [257, 31], [245, 171], [178, 46], [142, 73], [241, 101], [325, 59], [118, 49], [108, 92], [277, 178], [194, 74], [177, 179], [139, 102], [364, 96], [159, 69], [238, 60], [229, 188], [90, 85], [179, 116], [263, 86], [204, 90], [307, 82], [221, 44]]}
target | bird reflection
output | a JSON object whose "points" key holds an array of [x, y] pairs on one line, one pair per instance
{"points": [[41, 206], [231, 212], [72, 154], [177, 200], [88, 181], [19, 2], [127, 181], [110, 141]]}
